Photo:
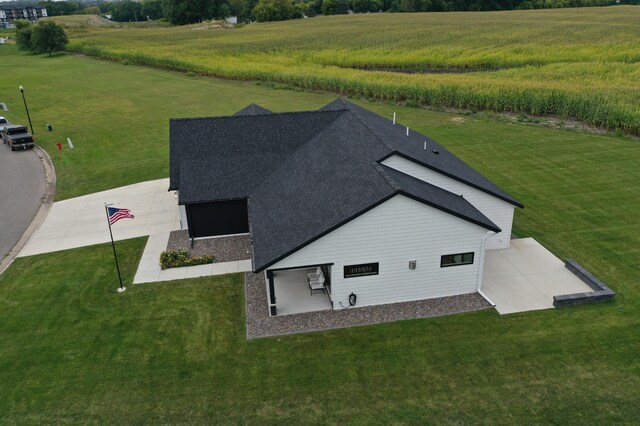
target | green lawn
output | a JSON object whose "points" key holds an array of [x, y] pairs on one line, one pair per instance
{"points": [[118, 116], [74, 350]]}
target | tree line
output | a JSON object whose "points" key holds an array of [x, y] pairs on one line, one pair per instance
{"points": [[181, 12]]}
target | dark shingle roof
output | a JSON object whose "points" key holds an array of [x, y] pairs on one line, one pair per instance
{"points": [[228, 143], [330, 180], [437, 197], [307, 173], [324, 183], [412, 148], [252, 109]]}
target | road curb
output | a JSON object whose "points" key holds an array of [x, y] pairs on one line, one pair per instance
{"points": [[43, 211]]}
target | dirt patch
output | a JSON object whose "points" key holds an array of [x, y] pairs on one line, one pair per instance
{"points": [[213, 25], [457, 119]]}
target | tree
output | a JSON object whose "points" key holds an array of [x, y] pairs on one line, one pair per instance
{"points": [[48, 37], [152, 9], [127, 11], [92, 10], [273, 10], [24, 33], [334, 7], [247, 10], [181, 12], [57, 8]]}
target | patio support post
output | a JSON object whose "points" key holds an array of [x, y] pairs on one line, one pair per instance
{"points": [[272, 294]]}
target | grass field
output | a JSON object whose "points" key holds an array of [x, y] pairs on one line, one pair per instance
{"points": [[118, 116], [176, 353], [73, 350], [581, 63]]}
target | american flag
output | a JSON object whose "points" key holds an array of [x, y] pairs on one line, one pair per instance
{"points": [[115, 214]]}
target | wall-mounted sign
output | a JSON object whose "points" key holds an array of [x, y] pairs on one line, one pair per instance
{"points": [[351, 271]]}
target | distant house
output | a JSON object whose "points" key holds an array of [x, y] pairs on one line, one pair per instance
{"points": [[8, 15], [371, 208]]}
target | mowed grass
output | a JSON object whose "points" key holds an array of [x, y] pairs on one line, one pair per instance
{"points": [[581, 63], [118, 116], [74, 350]]}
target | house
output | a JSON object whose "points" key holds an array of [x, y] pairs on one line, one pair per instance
{"points": [[353, 204], [8, 15]]}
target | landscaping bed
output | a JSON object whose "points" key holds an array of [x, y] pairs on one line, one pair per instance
{"points": [[260, 324], [224, 249]]}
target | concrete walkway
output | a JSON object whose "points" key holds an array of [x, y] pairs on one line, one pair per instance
{"points": [[526, 276], [81, 221], [149, 267]]}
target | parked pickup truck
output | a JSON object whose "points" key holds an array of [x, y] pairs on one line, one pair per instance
{"points": [[17, 137]]}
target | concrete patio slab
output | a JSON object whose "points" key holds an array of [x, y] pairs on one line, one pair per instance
{"points": [[526, 276], [81, 221], [293, 295]]}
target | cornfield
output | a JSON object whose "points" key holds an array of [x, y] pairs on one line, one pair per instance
{"points": [[582, 64]]}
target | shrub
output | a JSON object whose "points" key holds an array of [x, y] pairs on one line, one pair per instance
{"points": [[179, 258]]}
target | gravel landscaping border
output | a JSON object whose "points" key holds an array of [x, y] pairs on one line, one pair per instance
{"points": [[260, 324], [224, 249]]}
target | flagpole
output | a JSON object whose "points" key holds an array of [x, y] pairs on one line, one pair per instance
{"points": [[113, 245]]}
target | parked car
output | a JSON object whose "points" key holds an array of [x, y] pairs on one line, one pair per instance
{"points": [[3, 121], [17, 137]]}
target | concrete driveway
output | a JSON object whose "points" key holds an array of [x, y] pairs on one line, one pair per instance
{"points": [[81, 221], [526, 276], [22, 187]]}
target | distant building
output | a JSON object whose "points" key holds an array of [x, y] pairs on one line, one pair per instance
{"points": [[8, 15]]}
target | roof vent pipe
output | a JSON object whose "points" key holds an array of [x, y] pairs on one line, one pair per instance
{"points": [[407, 131], [425, 145], [394, 118]]}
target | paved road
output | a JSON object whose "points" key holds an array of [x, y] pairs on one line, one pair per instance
{"points": [[22, 186]]}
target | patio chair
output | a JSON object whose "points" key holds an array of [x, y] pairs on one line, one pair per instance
{"points": [[316, 281]]}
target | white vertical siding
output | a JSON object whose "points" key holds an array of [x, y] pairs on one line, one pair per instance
{"points": [[392, 234], [500, 212], [183, 218]]}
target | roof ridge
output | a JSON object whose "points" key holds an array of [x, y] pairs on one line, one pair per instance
{"points": [[221, 117], [380, 169], [292, 153], [364, 123], [441, 190]]}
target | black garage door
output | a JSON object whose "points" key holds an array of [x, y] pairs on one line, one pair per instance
{"points": [[218, 218]]}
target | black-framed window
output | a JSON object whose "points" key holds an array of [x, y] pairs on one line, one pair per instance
{"points": [[361, 270], [456, 259]]}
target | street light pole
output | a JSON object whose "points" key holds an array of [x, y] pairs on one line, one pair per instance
{"points": [[26, 108]]}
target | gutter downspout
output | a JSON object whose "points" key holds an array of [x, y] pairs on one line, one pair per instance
{"points": [[483, 245]]}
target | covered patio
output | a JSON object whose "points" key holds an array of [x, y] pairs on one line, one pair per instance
{"points": [[293, 294]]}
